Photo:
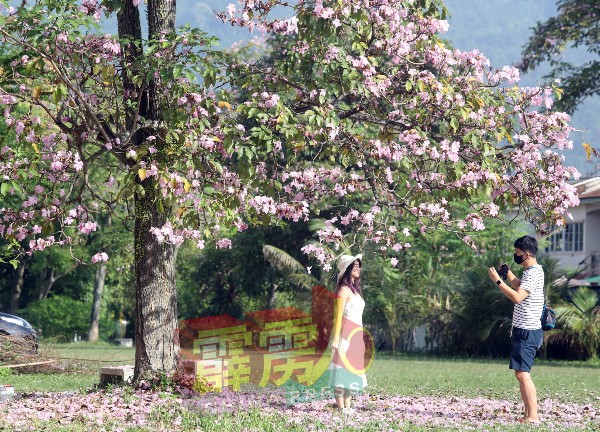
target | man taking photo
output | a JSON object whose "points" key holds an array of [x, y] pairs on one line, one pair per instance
{"points": [[527, 335]]}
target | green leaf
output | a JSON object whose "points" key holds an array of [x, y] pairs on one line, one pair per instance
{"points": [[150, 75], [57, 96], [139, 189], [454, 123], [47, 229], [16, 186], [160, 206], [107, 74], [249, 153], [4, 189], [177, 71], [14, 263], [217, 166]]}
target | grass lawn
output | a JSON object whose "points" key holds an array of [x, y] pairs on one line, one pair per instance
{"points": [[565, 381], [450, 394], [77, 366]]}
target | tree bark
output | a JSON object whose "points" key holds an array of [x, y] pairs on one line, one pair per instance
{"points": [[17, 286], [95, 315], [161, 21], [156, 337], [129, 27]]}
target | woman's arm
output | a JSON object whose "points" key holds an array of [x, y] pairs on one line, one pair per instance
{"points": [[341, 298]]}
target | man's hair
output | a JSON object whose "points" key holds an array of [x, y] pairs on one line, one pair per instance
{"points": [[527, 244]]}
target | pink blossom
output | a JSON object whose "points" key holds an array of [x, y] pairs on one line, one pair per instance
{"points": [[231, 9], [224, 243], [19, 127], [88, 227], [100, 257]]}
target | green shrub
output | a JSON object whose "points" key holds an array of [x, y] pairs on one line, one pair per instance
{"points": [[60, 316]]}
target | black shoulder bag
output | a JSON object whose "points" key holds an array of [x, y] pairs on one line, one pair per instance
{"points": [[548, 316]]}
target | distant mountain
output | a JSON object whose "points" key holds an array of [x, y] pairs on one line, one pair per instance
{"points": [[500, 29], [201, 14]]}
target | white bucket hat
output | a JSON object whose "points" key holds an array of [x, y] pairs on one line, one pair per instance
{"points": [[344, 261]]}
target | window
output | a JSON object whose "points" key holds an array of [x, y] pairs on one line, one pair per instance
{"points": [[570, 239]]}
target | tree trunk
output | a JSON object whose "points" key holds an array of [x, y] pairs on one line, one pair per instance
{"points": [[161, 20], [17, 286], [129, 27], [51, 279], [95, 315], [156, 338], [98, 289], [272, 296], [47, 284]]}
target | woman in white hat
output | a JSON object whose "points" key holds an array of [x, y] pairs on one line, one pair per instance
{"points": [[347, 371]]}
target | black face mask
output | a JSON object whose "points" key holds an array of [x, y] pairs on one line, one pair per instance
{"points": [[519, 258]]}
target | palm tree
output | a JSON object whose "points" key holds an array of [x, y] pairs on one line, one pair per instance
{"points": [[581, 316], [393, 300], [485, 311], [294, 272], [291, 269], [556, 288]]}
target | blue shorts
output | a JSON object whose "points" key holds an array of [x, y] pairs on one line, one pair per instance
{"points": [[524, 344]]}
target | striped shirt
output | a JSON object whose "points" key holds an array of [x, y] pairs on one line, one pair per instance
{"points": [[527, 314]]}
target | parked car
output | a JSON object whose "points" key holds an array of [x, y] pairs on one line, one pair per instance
{"points": [[19, 331]]}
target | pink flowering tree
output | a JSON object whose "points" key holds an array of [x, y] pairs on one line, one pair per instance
{"points": [[362, 101], [106, 121], [358, 102]]}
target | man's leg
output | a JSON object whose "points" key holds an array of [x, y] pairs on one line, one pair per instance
{"points": [[529, 396]]}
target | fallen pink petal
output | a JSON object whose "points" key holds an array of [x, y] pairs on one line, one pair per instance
{"points": [[144, 410]]}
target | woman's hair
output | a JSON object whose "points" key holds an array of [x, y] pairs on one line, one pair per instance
{"points": [[346, 280]]}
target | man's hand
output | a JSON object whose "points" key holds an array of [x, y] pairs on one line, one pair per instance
{"points": [[503, 271], [493, 274]]}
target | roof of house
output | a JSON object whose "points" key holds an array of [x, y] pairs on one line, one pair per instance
{"points": [[588, 188]]}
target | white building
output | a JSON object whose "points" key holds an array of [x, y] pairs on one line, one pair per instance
{"points": [[579, 243]]}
